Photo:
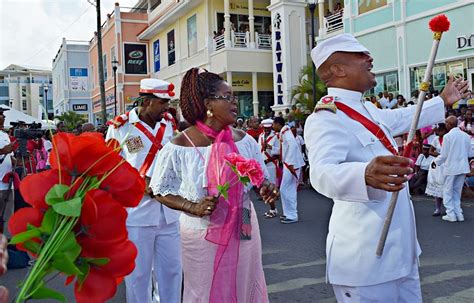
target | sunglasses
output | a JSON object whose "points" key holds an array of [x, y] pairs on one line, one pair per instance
{"points": [[229, 98]]}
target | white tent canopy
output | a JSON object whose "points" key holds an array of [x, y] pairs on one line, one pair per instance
{"points": [[13, 115]]}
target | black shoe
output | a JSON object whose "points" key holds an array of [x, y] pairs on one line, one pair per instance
{"points": [[289, 221]]}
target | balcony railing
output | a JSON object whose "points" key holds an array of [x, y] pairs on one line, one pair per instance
{"points": [[333, 23], [242, 40]]}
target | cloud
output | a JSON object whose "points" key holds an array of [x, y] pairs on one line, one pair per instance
{"points": [[31, 31]]}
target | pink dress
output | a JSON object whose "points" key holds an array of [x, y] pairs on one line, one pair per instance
{"points": [[181, 171]]}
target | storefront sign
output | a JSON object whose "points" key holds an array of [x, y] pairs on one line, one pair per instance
{"points": [[279, 63], [465, 42], [135, 59], [156, 55], [79, 107], [78, 79]]}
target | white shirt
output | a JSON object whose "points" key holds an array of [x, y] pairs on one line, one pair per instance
{"points": [[339, 150], [424, 162], [135, 149], [386, 103], [290, 149], [6, 165], [455, 152], [273, 145]]}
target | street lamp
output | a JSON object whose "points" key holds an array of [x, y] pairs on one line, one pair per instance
{"points": [[45, 86], [114, 68], [312, 8]]}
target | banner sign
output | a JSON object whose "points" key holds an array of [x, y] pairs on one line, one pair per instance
{"points": [[135, 59], [78, 79], [156, 54]]}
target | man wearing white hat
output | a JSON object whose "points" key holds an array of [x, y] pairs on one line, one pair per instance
{"points": [[353, 160], [270, 148], [153, 228]]}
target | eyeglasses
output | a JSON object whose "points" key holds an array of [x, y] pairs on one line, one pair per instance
{"points": [[229, 98]]}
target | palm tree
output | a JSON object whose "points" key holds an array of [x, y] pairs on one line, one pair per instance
{"points": [[303, 92], [71, 119]]}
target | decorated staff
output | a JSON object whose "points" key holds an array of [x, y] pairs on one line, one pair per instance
{"points": [[438, 25]]}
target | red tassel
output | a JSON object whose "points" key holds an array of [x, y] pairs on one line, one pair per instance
{"points": [[439, 23]]}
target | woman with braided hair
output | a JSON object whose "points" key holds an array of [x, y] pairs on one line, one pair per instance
{"points": [[221, 247]]}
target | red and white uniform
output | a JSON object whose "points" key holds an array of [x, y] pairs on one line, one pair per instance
{"points": [[272, 149], [153, 227]]}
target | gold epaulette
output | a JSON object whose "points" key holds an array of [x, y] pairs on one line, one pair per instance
{"points": [[326, 103]]}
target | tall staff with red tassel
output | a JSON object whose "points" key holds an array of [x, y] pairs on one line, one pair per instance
{"points": [[438, 25]]}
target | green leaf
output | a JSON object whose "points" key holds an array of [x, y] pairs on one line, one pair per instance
{"points": [[56, 194], [70, 247], [98, 261], [25, 236], [49, 220], [245, 180], [70, 208], [224, 190], [48, 293], [63, 263], [84, 267], [32, 246]]}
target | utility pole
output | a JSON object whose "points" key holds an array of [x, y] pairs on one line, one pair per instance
{"points": [[96, 3]]}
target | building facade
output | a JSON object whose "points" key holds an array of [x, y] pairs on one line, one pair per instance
{"points": [[71, 79], [119, 44], [27, 89], [397, 34]]}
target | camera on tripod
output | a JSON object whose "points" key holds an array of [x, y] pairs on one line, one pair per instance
{"points": [[24, 132]]}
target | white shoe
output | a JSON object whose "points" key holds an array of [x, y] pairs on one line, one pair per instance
{"points": [[460, 218], [449, 218]]}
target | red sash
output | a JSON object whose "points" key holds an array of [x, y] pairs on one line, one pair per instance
{"points": [[155, 147], [369, 125]]}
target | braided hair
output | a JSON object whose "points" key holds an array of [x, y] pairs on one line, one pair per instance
{"points": [[195, 88]]}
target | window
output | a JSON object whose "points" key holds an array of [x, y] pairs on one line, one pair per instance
{"points": [[385, 82], [105, 67], [24, 105], [369, 5], [192, 36], [40, 92], [4, 91], [23, 91], [171, 48], [240, 23]]}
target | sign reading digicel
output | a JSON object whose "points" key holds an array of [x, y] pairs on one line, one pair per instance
{"points": [[135, 59]]}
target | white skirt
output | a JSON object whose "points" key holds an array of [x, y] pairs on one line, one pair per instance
{"points": [[435, 183]]}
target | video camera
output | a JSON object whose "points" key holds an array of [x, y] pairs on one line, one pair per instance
{"points": [[23, 132]]}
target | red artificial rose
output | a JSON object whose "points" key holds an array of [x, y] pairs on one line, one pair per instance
{"points": [[34, 188], [234, 158], [125, 185], [103, 218], [255, 173], [99, 286], [21, 218]]}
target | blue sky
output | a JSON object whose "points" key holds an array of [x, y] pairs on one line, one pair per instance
{"points": [[31, 30]]}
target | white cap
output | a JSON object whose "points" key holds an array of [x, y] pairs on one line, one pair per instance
{"points": [[267, 123], [157, 87], [339, 43]]}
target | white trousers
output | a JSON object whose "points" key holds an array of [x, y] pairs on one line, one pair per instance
{"points": [[452, 190], [404, 290], [288, 193], [272, 175], [159, 249]]}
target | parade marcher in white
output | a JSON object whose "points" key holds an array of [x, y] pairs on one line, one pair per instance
{"points": [[454, 155], [270, 148], [435, 181], [353, 160], [422, 165], [290, 156], [153, 227]]}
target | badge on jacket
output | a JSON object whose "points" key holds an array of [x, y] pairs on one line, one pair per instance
{"points": [[134, 144], [326, 103]]}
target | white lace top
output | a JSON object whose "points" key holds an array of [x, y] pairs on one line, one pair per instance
{"points": [[181, 171]]}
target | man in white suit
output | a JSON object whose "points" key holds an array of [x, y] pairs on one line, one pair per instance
{"points": [[356, 165], [454, 155]]}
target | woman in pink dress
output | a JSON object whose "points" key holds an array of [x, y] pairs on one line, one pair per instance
{"points": [[221, 246]]}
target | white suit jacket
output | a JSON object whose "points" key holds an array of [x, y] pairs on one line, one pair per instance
{"points": [[339, 149], [455, 153]]}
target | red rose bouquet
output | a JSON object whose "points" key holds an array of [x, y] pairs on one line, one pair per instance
{"points": [[246, 171], [76, 225]]}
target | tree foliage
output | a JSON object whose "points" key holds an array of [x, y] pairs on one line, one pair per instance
{"points": [[303, 92], [71, 119]]}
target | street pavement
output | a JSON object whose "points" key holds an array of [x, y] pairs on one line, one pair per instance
{"points": [[294, 255]]}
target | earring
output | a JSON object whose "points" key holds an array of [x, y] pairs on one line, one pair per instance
{"points": [[209, 113]]}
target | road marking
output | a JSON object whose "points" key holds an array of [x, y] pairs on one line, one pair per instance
{"points": [[293, 284], [282, 266], [446, 275]]}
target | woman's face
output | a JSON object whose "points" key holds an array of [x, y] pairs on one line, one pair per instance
{"points": [[223, 105]]}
